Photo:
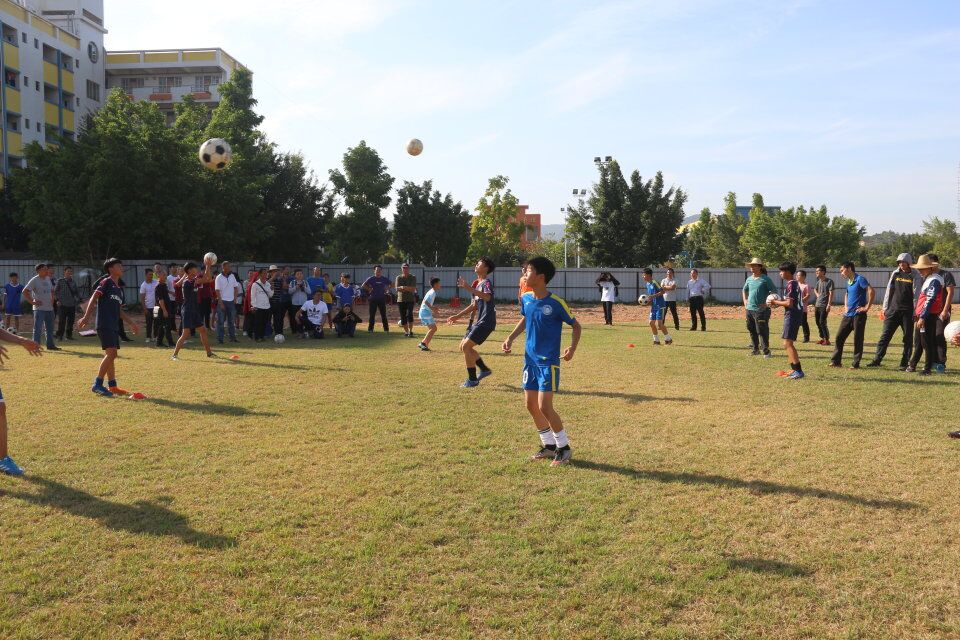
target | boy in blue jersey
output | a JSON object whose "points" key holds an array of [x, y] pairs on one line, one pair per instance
{"points": [[108, 299], [658, 307], [542, 316], [486, 321], [7, 465], [794, 312], [427, 307]]}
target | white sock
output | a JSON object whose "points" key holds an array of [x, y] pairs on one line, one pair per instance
{"points": [[546, 437], [561, 438], [656, 339], [666, 336]]}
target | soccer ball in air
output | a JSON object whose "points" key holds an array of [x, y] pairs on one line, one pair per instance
{"points": [[772, 297], [951, 331], [414, 147], [643, 299], [279, 339], [215, 154], [210, 258]]}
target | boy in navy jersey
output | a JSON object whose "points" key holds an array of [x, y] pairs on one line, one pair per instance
{"points": [[480, 329], [794, 312], [108, 298], [543, 315]]}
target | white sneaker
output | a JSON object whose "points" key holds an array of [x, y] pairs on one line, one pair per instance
{"points": [[148, 340], [174, 358]]}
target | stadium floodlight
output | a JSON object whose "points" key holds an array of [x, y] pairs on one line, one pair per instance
{"points": [[596, 159], [608, 159]]}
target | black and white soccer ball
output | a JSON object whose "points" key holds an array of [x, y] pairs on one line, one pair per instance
{"points": [[215, 154]]}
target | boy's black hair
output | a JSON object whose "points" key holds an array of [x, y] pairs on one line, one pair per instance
{"points": [[189, 265], [670, 269], [434, 281], [14, 274], [543, 266], [648, 271], [849, 265], [822, 266], [42, 265], [109, 262], [933, 257], [789, 267], [490, 265], [171, 265], [694, 269], [801, 272], [145, 271]]}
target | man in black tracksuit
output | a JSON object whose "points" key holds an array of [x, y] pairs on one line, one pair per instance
{"points": [[898, 303]]}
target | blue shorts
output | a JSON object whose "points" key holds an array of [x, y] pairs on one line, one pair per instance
{"points": [[478, 334], [656, 313], [109, 338], [427, 320], [541, 377], [791, 325]]}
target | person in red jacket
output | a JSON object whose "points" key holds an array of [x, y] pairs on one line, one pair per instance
{"points": [[929, 305]]}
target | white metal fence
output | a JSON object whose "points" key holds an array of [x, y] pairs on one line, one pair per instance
{"points": [[574, 285]]}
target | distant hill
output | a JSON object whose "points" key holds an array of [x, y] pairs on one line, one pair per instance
{"points": [[552, 231]]}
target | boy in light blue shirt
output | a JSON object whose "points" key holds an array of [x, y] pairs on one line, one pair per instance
{"points": [[427, 307]]}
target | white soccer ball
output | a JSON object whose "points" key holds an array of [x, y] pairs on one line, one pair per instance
{"points": [[279, 339], [210, 258], [414, 147], [215, 154], [772, 297], [643, 299], [951, 331]]}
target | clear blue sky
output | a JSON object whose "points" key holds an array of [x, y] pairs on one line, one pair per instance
{"points": [[855, 105]]}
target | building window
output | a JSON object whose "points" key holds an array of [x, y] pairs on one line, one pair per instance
{"points": [[37, 85], [128, 84], [78, 102], [38, 127], [36, 43], [93, 91], [10, 78], [28, 123], [168, 82], [26, 82], [204, 82], [24, 37]]}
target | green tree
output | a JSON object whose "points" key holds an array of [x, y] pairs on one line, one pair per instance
{"points": [[946, 240], [361, 233], [548, 248], [805, 237], [724, 247], [428, 227], [698, 238], [13, 235], [494, 230]]}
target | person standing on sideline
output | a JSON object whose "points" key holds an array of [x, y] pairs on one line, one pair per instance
{"points": [[164, 309], [376, 287], [485, 323], [794, 306], [7, 465], [67, 296], [427, 307], [824, 292], [406, 286], [261, 302], [12, 308], [755, 291], [943, 319], [657, 308], [669, 286], [252, 276], [697, 290], [226, 288], [148, 300], [858, 300], [192, 319], [898, 311], [176, 295], [300, 293], [320, 281], [609, 291], [805, 293], [39, 293], [344, 293], [278, 284], [108, 298], [930, 304], [328, 298], [542, 316]]}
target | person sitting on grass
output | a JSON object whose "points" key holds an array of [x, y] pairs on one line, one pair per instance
{"points": [[794, 307], [7, 465], [345, 322], [312, 315], [427, 307]]}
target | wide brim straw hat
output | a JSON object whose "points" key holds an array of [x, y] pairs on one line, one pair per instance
{"points": [[756, 261], [924, 262]]}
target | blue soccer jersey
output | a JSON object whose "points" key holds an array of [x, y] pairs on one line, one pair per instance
{"points": [[655, 303], [545, 318]]}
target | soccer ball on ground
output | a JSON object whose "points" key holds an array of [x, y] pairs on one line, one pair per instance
{"points": [[279, 339], [210, 258], [772, 297], [414, 147], [643, 299], [215, 154], [951, 331]]}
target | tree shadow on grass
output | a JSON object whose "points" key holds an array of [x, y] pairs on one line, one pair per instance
{"points": [[754, 486], [209, 407], [763, 565], [150, 517], [629, 397]]}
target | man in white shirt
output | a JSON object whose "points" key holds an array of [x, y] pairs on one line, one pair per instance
{"points": [[669, 286], [312, 314], [696, 290], [148, 300], [260, 294], [226, 289]]}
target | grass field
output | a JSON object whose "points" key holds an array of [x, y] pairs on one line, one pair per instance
{"points": [[351, 489]]}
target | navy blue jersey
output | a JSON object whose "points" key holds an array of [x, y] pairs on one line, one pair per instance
{"points": [[486, 309], [544, 323], [190, 303], [791, 291], [108, 306]]}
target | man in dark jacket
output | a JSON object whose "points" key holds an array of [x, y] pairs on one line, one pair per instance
{"points": [[898, 311]]}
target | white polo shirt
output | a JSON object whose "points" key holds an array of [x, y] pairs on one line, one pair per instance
{"points": [[669, 296], [226, 286]]}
